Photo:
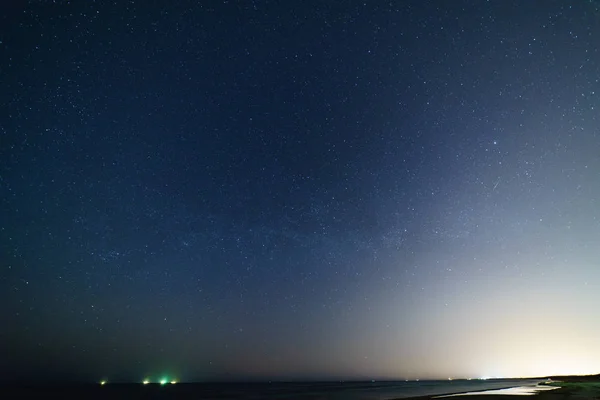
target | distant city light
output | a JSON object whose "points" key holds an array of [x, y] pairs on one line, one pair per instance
{"points": [[146, 381], [163, 381], [102, 383], [173, 382]]}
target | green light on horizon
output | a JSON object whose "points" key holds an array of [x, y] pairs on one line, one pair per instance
{"points": [[163, 381]]}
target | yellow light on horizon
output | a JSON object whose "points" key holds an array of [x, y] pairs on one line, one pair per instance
{"points": [[102, 383], [173, 382], [146, 381]]}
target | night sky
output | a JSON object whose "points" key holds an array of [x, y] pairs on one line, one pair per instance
{"points": [[299, 190]]}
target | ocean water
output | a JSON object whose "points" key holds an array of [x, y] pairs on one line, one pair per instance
{"points": [[519, 390], [349, 390], [264, 391]]}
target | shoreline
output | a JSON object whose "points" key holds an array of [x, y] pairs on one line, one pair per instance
{"points": [[481, 395], [554, 388], [528, 390], [474, 394]]}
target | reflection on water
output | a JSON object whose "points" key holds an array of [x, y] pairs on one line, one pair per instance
{"points": [[518, 391]]}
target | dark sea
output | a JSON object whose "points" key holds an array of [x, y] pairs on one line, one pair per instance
{"points": [[372, 390], [354, 390]]}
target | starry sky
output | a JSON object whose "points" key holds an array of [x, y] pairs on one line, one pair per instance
{"points": [[299, 190]]}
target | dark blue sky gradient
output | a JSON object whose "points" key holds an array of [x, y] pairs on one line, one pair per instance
{"points": [[262, 189]]}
